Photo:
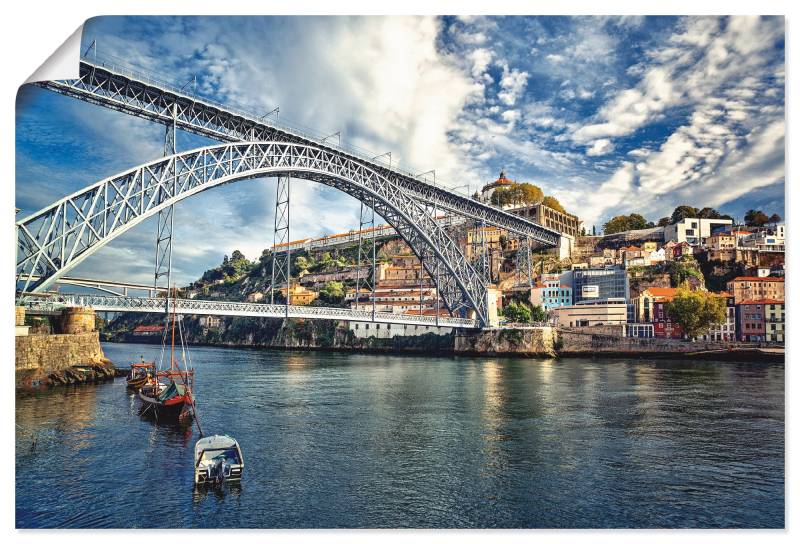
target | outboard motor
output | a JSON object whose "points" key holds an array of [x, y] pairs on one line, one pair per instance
{"points": [[219, 471]]}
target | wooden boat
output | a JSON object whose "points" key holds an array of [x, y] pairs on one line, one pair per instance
{"points": [[217, 459], [168, 394], [140, 374]]}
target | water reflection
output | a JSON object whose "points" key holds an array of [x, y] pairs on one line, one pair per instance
{"points": [[351, 440]]}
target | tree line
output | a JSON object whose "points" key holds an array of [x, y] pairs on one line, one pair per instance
{"points": [[635, 221]]}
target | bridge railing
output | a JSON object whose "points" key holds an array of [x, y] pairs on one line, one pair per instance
{"points": [[244, 309]]}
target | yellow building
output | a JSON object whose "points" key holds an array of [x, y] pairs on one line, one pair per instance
{"points": [[299, 295], [649, 247]]}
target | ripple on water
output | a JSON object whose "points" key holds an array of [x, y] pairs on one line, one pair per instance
{"points": [[353, 440]]}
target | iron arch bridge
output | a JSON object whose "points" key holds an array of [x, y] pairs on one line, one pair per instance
{"points": [[55, 239]]}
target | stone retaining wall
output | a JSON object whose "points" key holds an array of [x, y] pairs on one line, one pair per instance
{"points": [[534, 342], [585, 342], [41, 355]]}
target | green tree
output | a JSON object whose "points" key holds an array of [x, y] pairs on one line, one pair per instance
{"points": [[517, 312], [774, 218], [552, 202], [708, 213], [301, 263], [683, 268], [755, 218], [696, 311], [538, 314], [682, 212], [622, 223], [531, 193], [663, 222], [332, 292]]}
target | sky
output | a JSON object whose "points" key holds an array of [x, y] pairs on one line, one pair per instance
{"points": [[610, 115]]}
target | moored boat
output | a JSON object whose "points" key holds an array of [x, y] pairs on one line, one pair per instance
{"points": [[168, 393], [217, 459], [140, 374]]}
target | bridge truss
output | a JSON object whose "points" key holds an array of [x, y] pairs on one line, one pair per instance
{"points": [[102, 303], [55, 239]]}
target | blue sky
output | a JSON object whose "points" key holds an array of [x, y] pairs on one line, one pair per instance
{"points": [[610, 115]]}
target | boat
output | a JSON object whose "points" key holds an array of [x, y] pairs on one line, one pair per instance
{"points": [[168, 394], [217, 459], [141, 373]]}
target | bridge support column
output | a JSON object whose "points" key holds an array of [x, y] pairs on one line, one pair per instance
{"points": [[493, 319], [166, 217], [281, 260], [366, 252]]}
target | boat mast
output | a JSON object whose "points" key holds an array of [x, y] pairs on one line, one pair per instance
{"points": [[172, 348]]}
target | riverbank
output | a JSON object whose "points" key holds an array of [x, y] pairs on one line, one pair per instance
{"points": [[532, 342]]}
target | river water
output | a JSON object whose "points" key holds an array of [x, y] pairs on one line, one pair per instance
{"points": [[357, 440]]}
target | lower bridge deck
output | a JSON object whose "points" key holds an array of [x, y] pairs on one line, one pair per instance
{"points": [[102, 303]]}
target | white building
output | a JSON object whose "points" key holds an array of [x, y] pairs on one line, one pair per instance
{"points": [[772, 239], [693, 230], [613, 311], [390, 330]]}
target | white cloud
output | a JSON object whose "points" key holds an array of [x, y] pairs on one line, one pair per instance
{"points": [[513, 83], [600, 147]]}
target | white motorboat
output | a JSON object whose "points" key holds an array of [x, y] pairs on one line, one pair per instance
{"points": [[216, 459]]}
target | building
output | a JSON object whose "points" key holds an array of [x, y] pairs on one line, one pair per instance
{"points": [[639, 330], [299, 295], [755, 288], [551, 292], [593, 313], [727, 331], [210, 322], [390, 330], [693, 229], [663, 327], [750, 324], [721, 241], [599, 284], [490, 188], [771, 239], [148, 330], [774, 320], [643, 304]]}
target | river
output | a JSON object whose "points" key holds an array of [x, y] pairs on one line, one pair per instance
{"points": [[362, 440]]}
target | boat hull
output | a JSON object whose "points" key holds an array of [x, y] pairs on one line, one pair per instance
{"points": [[136, 383], [174, 408]]}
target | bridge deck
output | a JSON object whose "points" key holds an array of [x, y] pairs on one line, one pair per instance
{"points": [[238, 309]]}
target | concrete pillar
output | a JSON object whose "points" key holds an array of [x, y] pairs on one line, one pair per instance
{"points": [[491, 306]]}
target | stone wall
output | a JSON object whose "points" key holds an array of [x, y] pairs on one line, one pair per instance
{"points": [[535, 342], [587, 342], [41, 355]]}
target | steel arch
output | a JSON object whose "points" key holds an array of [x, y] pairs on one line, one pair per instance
{"points": [[55, 239], [124, 90]]}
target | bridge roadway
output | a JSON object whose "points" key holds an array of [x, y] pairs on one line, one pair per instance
{"points": [[103, 303], [128, 91]]}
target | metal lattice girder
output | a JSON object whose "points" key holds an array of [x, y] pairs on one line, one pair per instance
{"points": [[366, 253], [281, 260], [166, 221], [126, 91], [53, 240], [102, 303], [524, 263]]}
